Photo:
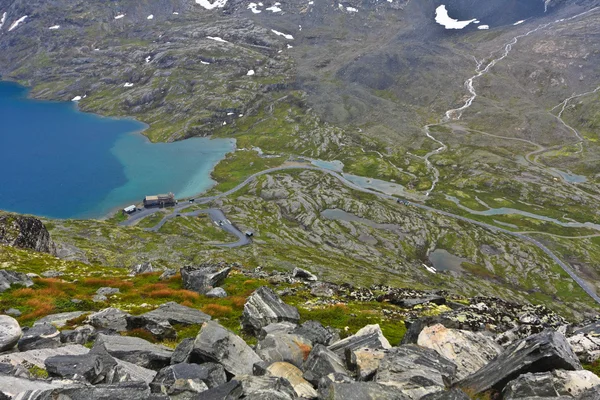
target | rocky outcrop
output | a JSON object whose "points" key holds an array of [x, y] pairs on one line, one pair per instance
{"points": [[468, 350], [10, 332], [9, 278], [542, 352], [550, 384], [203, 278], [264, 307], [25, 233], [217, 344]]}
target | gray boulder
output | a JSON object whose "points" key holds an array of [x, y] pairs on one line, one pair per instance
{"points": [[267, 385], [39, 337], [109, 318], [13, 312], [452, 394], [360, 391], [317, 333], [10, 332], [204, 278], [551, 384], [369, 337], [264, 307], [321, 362], [9, 278], [590, 394], [59, 320], [276, 328], [118, 391], [365, 362], [80, 335], [184, 380], [217, 292], [304, 275], [183, 351], [284, 347], [167, 274], [415, 371], [228, 391], [88, 367], [142, 268], [135, 350], [542, 352], [217, 344], [293, 375]]}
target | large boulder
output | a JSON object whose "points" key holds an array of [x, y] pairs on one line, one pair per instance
{"points": [[370, 336], [39, 337], [204, 278], [317, 333], [217, 344], [135, 350], [183, 351], [159, 321], [360, 391], [264, 307], [365, 362], [183, 380], [284, 347], [586, 346], [9, 278], [88, 367], [542, 352], [10, 332], [124, 391], [293, 375], [109, 318], [551, 384], [25, 233], [415, 371], [321, 362], [468, 350], [266, 385]]}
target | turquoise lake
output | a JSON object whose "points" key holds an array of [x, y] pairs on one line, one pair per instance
{"points": [[62, 163]]}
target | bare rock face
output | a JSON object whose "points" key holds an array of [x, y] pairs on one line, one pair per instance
{"points": [[25, 233], [264, 307], [551, 384], [542, 352], [468, 350]]}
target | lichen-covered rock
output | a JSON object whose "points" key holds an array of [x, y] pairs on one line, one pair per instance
{"points": [[9, 278], [135, 350], [25, 233], [415, 371], [284, 347], [10, 332], [539, 353], [264, 307], [204, 278], [217, 344], [109, 318], [468, 350], [551, 384], [39, 337]]}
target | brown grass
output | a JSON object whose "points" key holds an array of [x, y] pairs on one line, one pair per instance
{"points": [[111, 282], [238, 301], [304, 348], [41, 308], [217, 310]]}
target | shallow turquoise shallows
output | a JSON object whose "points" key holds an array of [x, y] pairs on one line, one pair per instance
{"points": [[62, 163]]}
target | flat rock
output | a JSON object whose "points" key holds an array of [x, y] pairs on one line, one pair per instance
{"points": [[415, 371], [317, 333], [38, 357], [131, 372], [542, 352], [135, 350], [39, 337], [8, 278], [59, 320], [468, 350], [109, 318], [217, 344], [204, 278], [321, 362], [293, 375], [412, 302], [88, 367], [191, 378], [284, 347], [10, 332], [452, 394], [370, 336], [175, 313], [361, 391], [264, 307], [551, 384], [12, 386], [117, 391], [217, 292]]}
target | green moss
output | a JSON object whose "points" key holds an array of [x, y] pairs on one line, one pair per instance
{"points": [[38, 372]]}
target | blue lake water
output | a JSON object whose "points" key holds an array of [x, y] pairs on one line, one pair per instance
{"points": [[62, 163]]}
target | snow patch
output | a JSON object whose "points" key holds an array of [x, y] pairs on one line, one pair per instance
{"points": [[224, 123], [442, 18], [17, 23], [217, 39], [253, 7], [241, 115], [289, 46], [351, 9], [76, 98], [151, 16], [211, 6], [119, 16], [2, 20], [229, 113], [483, 27], [148, 59], [175, 13], [274, 8], [519, 22], [288, 37], [310, 3], [128, 84], [204, 62], [54, 27], [250, 73]]}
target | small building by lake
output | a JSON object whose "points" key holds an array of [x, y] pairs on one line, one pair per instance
{"points": [[160, 200]]}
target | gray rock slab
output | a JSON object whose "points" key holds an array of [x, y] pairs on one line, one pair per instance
{"points": [[118, 391], [38, 357], [284, 347], [176, 314], [39, 337], [551, 384], [361, 391], [369, 337], [8, 278], [12, 386], [321, 362], [109, 318], [135, 350], [59, 320], [264, 307]]}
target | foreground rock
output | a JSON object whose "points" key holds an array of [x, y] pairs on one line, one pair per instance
{"points": [[88, 367], [322, 362], [159, 321], [217, 344], [10, 332], [293, 375], [284, 347], [135, 350], [39, 337], [9, 278], [541, 352], [415, 371], [109, 318], [551, 384], [586, 346], [369, 337], [204, 278], [184, 380], [38, 357], [264, 307], [468, 350], [124, 391]]}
